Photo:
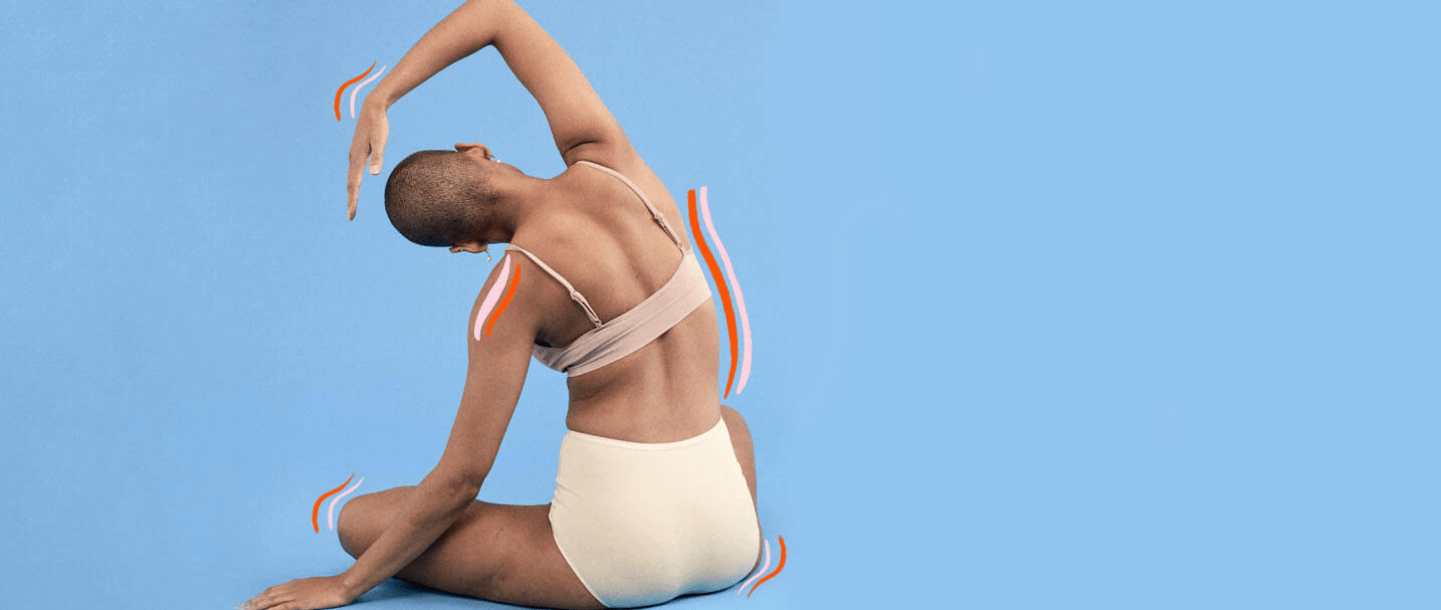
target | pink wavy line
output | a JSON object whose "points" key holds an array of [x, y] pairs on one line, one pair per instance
{"points": [[331, 516], [735, 286], [357, 89], [764, 565], [494, 294]]}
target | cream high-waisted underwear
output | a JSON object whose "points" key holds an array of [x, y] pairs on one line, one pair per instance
{"points": [[641, 523]]}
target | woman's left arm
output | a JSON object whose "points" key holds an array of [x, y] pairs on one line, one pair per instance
{"points": [[500, 335]]}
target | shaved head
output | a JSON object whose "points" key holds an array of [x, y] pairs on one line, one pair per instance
{"points": [[436, 197]]}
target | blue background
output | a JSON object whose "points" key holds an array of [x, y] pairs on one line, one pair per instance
{"points": [[1103, 306]]}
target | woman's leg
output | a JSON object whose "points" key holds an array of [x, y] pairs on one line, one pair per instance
{"points": [[499, 552]]}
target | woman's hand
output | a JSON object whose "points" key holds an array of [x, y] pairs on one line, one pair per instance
{"points": [[372, 129], [302, 594]]}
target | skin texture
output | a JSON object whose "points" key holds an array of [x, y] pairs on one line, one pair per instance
{"points": [[594, 231]]}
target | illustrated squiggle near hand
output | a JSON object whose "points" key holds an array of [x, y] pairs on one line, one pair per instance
{"points": [[362, 86], [341, 91]]}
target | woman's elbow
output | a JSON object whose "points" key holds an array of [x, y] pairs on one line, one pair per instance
{"points": [[459, 484]]}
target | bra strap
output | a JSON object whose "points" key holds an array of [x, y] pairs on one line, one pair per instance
{"points": [[660, 218], [575, 295]]}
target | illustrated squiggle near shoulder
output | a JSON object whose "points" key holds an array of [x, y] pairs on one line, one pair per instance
{"points": [[492, 297]]}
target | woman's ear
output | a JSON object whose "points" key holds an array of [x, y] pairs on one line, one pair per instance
{"points": [[462, 147]]}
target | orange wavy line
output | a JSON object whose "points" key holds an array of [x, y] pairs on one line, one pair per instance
{"points": [[778, 567], [720, 285], [505, 300], [338, 93], [315, 512]]}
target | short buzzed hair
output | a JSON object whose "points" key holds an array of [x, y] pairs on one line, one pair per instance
{"points": [[433, 197]]}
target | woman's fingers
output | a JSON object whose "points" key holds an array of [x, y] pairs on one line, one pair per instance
{"points": [[260, 602], [352, 186], [273, 596], [371, 133], [270, 598], [377, 148], [359, 152]]}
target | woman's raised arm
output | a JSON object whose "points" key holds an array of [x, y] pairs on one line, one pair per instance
{"points": [[578, 120]]}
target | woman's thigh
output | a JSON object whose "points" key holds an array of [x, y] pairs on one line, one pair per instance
{"points": [[498, 552]]}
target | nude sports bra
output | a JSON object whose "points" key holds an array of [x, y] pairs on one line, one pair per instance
{"points": [[634, 329]]}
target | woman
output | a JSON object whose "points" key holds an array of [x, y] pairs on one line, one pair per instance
{"points": [[655, 493]]}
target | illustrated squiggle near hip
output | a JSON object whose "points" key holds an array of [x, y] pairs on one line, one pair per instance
{"points": [[736, 286], [362, 86], [720, 285], [336, 499], [780, 565], [766, 564], [493, 296]]}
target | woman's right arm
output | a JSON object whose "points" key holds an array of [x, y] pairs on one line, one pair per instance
{"points": [[579, 121]]}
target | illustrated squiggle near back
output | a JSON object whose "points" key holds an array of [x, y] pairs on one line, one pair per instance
{"points": [[720, 285], [736, 286]]}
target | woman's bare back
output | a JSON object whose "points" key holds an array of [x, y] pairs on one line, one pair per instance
{"points": [[599, 235]]}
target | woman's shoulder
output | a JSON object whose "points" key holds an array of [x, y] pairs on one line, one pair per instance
{"points": [[625, 162]]}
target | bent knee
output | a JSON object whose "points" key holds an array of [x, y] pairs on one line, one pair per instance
{"points": [[361, 519], [354, 525], [345, 530]]}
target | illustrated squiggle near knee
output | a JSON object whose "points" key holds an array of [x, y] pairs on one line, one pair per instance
{"points": [[315, 512], [336, 499]]}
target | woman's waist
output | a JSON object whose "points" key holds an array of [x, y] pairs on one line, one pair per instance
{"points": [[639, 415]]}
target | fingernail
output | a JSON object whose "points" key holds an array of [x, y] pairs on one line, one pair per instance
{"points": [[374, 169]]}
